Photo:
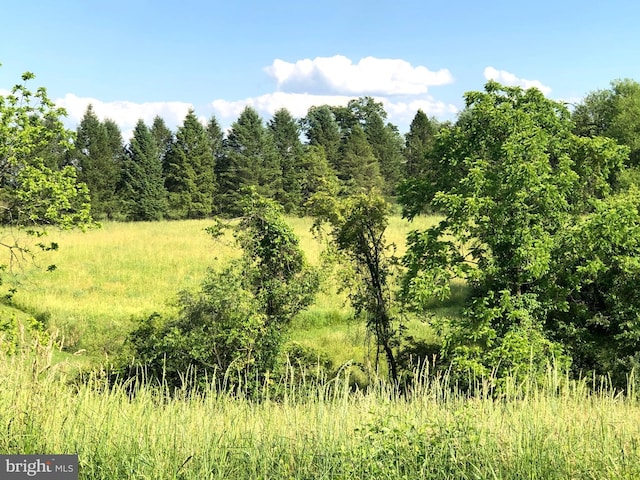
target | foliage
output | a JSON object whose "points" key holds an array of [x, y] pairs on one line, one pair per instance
{"points": [[523, 180], [322, 130], [418, 143], [231, 330], [359, 169], [612, 113], [358, 225], [594, 283], [319, 176], [35, 195]]}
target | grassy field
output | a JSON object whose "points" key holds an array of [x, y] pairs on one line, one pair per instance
{"points": [[107, 278]]}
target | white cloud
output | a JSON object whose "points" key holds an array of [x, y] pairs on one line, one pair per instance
{"points": [[370, 76], [125, 114], [399, 112], [508, 78], [297, 103]]}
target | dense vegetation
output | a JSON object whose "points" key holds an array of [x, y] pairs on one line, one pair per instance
{"points": [[524, 280]]}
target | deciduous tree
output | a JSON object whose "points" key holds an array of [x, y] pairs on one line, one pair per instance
{"points": [[35, 195]]}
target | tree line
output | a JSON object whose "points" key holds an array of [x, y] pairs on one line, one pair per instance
{"points": [[198, 171]]}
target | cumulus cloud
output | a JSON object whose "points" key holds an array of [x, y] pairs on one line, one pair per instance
{"points": [[297, 103], [399, 111], [508, 78], [338, 75], [125, 114]]}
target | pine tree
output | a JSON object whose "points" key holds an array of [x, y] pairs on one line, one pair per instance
{"points": [[286, 137], [418, 141], [216, 143], [163, 138], [321, 129], [318, 175], [94, 157], [189, 171], [249, 160], [359, 169], [384, 138], [143, 192]]}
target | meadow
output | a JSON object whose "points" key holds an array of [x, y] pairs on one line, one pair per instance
{"points": [[108, 278]]}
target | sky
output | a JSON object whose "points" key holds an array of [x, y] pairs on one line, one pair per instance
{"points": [[137, 59]]}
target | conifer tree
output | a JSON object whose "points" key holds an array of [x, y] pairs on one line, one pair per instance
{"points": [[94, 157], [143, 192], [216, 143], [418, 141], [162, 136], [359, 169], [286, 137], [189, 171], [249, 160], [321, 129]]}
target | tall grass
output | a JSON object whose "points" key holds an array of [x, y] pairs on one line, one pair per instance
{"points": [[558, 429]]}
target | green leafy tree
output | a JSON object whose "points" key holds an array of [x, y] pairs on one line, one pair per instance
{"points": [[143, 191], [189, 171], [35, 195], [96, 155], [521, 175], [232, 329], [613, 113], [249, 160], [358, 225], [593, 285], [286, 138]]}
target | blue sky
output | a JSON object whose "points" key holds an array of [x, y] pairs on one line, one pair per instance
{"points": [[135, 59]]}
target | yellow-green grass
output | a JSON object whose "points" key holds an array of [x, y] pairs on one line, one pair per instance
{"points": [[556, 431], [108, 277]]}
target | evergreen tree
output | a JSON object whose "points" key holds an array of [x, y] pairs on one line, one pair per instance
{"points": [[94, 157], [386, 144], [286, 137], [163, 138], [189, 171], [318, 177], [249, 160], [384, 139], [418, 141], [216, 143], [143, 192], [359, 169], [321, 129]]}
